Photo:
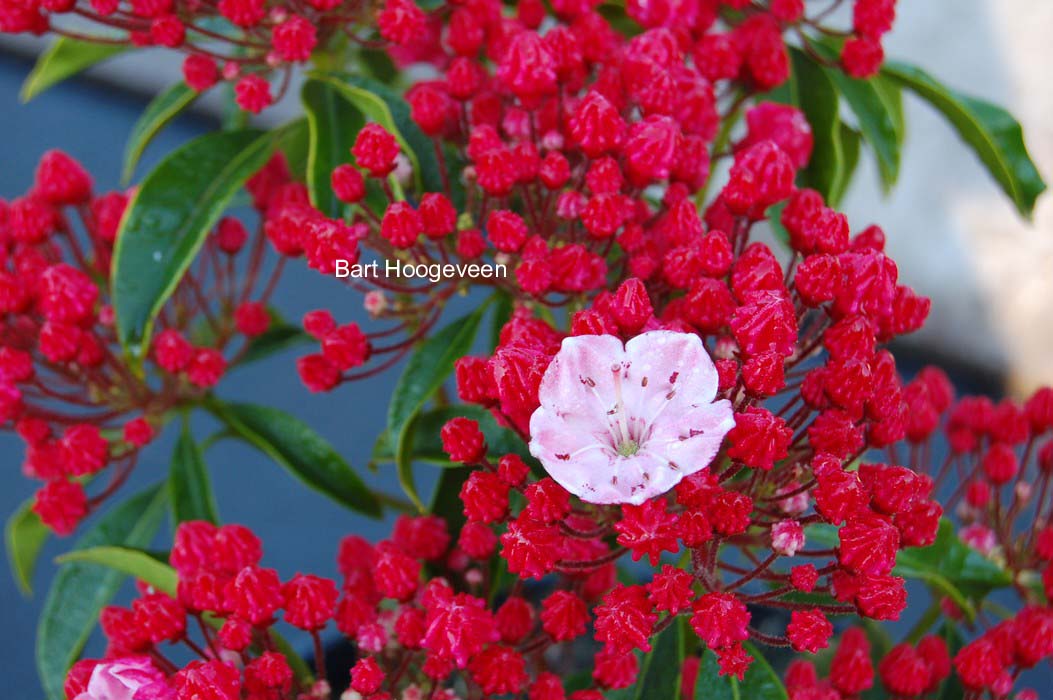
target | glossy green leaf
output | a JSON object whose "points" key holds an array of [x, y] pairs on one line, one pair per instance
{"points": [[80, 590], [774, 219], [189, 484], [446, 499], [949, 566], [300, 450], [333, 122], [132, 562], [149, 569], [425, 372], [851, 145], [992, 133], [503, 309], [24, 536], [817, 98], [161, 110], [168, 220], [892, 95], [659, 675], [952, 688], [293, 141], [950, 558], [64, 59], [276, 338], [879, 117], [425, 443], [760, 682], [383, 105]]}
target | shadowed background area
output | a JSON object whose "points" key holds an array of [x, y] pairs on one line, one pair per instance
{"points": [[954, 237]]}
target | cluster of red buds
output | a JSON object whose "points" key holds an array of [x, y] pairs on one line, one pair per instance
{"points": [[244, 42], [706, 404], [65, 385], [561, 140]]}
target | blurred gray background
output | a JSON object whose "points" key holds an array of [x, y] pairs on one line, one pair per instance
{"points": [[953, 234]]}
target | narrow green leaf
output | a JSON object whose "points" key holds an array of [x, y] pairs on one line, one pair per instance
{"points": [[892, 95], [425, 372], [277, 338], [189, 485], [386, 107], [294, 143], [300, 450], [503, 309], [446, 500], [876, 114], [962, 566], [168, 220], [760, 682], [24, 536], [301, 671], [131, 562], [80, 590], [851, 145], [145, 567], [161, 110], [333, 122], [949, 566], [660, 674], [952, 687], [875, 123], [425, 444], [817, 98], [774, 218], [64, 59], [992, 133]]}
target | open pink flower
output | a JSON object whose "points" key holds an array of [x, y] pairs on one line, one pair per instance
{"points": [[128, 678], [620, 424]]}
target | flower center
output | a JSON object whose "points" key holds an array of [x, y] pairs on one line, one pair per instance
{"points": [[628, 448]]}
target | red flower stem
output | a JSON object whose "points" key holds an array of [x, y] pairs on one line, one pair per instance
{"points": [[319, 655], [756, 572]]}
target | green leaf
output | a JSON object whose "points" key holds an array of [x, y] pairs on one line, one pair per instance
{"points": [[161, 110], [80, 590], [145, 567], [276, 338], [383, 105], [951, 559], [64, 59], [817, 98], [189, 485], [948, 566], [425, 443], [24, 536], [300, 450], [293, 142], [425, 372], [660, 674], [503, 309], [333, 122], [878, 112], [851, 142], [892, 95], [446, 500], [952, 687], [168, 220], [774, 218], [132, 562], [759, 683], [993, 134]]}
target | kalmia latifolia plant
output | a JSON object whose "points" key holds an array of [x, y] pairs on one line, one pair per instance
{"points": [[686, 465]]}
